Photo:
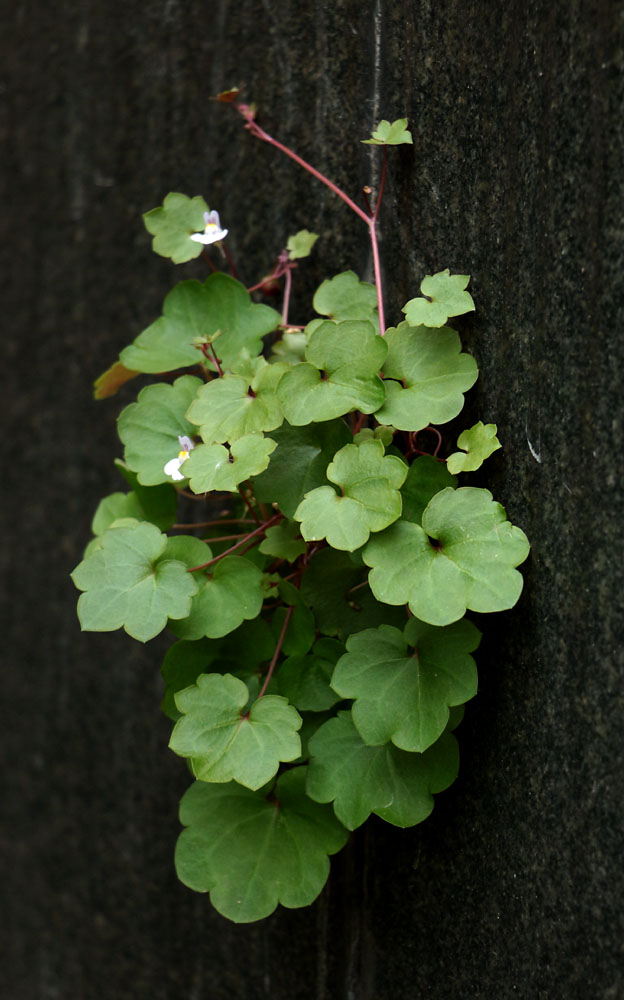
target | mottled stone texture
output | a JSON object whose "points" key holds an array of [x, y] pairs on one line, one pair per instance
{"points": [[510, 889]]}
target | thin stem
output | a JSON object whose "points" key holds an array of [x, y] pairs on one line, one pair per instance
{"points": [[248, 505], [255, 129], [213, 267], [228, 257], [278, 649], [214, 524], [287, 287], [252, 534], [222, 538], [359, 423], [372, 229]]}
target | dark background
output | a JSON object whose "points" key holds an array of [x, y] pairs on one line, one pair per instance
{"points": [[511, 888]]}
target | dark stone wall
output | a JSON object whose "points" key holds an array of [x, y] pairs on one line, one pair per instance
{"points": [[511, 888]]}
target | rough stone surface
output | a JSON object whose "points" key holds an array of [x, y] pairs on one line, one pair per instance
{"points": [[510, 889]]}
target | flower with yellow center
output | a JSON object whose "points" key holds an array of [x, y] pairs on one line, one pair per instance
{"points": [[172, 468], [212, 232]]}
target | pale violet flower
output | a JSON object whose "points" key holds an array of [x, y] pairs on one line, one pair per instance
{"points": [[172, 467], [212, 232]]}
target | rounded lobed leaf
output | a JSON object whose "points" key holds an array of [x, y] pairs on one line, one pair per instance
{"points": [[404, 683], [346, 297], [370, 501], [463, 556], [172, 225], [444, 296], [223, 743], [300, 245], [390, 134], [252, 851], [431, 377], [361, 779], [478, 443], [213, 467], [305, 680]]}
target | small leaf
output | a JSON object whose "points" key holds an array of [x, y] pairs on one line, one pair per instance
{"points": [[390, 134], [431, 377], [227, 96], [404, 683], [234, 406], [299, 462], [131, 582], [361, 779], [337, 591], [112, 379], [425, 478], [252, 852], [229, 592], [222, 742], [445, 296], [463, 556], [213, 467], [304, 680], [346, 297], [350, 354], [370, 500], [301, 244], [172, 225], [150, 427], [478, 443], [290, 349], [193, 312], [283, 541]]}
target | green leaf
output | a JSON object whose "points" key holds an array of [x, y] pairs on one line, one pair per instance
{"points": [[150, 428], [131, 582], [229, 592], [290, 349], [283, 541], [242, 651], [360, 779], [300, 632], [113, 507], [232, 407], [172, 225], [299, 462], [478, 443], [252, 852], [194, 310], [370, 498], [304, 680], [390, 134], [346, 297], [301, 244], [158, 504], [213, 467], [404, 683], [223, 743], [338, 593], [434, 372], [425, 478], [351, 354], [444, 296], [469, 564]]}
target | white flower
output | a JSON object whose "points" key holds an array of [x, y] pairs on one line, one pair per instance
{"points": [[172, 467], [212, 232]]}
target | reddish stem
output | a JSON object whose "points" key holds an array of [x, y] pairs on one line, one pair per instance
{"points": [[278, 649], [228, 257], [233, 548], [287, 287], [248, 505]]}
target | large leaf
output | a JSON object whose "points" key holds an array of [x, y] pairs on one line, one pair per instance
{"points": [[194, 310], [229, 592], [252, 852], [346, 297], [350, 355], [431, 377], [159, 504], [463, 556], [299, 462], [304, 680], [232, 407], [370, 499], [478, 443], [444, 296], [172, 225], [361, 779], [213, 467], [404, 683], [150, 428], [338, 593], [131, 582], [226, 744]]}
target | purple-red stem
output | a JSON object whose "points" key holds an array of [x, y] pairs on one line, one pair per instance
{"points": [[287, 287], [257, 531], [278, 649], [228, 257]]}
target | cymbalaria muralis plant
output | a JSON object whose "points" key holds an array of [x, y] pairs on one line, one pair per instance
{"points": [[319, 594]]}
